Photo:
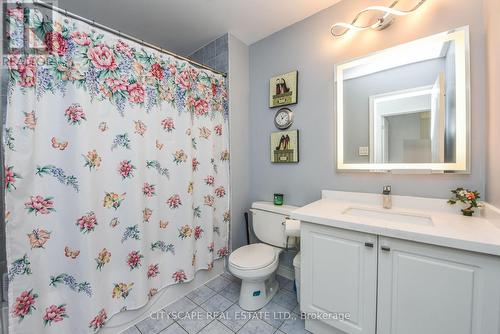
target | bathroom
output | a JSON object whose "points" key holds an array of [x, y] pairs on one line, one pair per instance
{"points": [[202, 167]]}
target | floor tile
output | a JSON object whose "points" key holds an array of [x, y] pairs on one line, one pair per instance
{"points": [[215, 327], [131, 330], [195, 321], [201, 295], [173, 329], [283, 281], [155, 324], [293, 326], [286, 299], [274, 314], [290, 286], [296, 310], [230, 277], [216, 303], [218, 284], [181, 306], [235, 317], [232, 292], [257, 326]]}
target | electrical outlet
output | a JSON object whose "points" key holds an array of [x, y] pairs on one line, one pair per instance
{"points": [[364, 150]]}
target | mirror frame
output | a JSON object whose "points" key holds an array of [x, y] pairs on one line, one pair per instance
{"points": [[461, 38]]}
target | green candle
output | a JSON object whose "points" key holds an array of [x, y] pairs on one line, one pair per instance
{"points": [[278, 199]]}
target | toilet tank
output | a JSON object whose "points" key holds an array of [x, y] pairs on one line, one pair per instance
{"points": [[268, 222]]}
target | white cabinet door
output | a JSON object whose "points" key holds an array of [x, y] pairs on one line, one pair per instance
{"points": [[426, 289], [339, 275]]}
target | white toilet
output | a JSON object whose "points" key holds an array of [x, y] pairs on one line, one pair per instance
{"points": [[256, 264]]}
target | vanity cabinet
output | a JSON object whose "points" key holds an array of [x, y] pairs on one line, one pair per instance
{"points": [[339, 274], [396, 287]]}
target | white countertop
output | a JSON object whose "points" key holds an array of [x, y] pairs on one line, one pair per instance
{"points": [[450, 229]]}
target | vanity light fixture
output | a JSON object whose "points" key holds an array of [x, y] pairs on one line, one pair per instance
{"points": [[388, 16]]}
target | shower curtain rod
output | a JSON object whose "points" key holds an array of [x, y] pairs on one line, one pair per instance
{"points": [[120, 34]]}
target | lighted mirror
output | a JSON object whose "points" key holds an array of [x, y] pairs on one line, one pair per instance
{"points": [[406, 108]]}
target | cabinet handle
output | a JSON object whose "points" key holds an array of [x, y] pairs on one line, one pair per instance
{"points": [[369, 244], [385, 248]]}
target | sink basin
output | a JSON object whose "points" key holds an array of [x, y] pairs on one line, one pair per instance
{"points": [[390, 216]]}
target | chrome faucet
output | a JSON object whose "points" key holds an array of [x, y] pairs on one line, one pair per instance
{"points": [[386, 197]]}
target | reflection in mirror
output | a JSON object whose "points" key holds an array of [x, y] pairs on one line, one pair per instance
{"points": [[398, 108]]}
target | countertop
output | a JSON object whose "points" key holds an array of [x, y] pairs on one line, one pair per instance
{"points": [[450, 229]]}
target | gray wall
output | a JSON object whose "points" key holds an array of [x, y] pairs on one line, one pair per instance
{"points": [[308, 47], [214, 54], [493, 47], [357, 92]]}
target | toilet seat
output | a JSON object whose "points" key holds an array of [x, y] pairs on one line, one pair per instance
{"points": [[252, 257]]}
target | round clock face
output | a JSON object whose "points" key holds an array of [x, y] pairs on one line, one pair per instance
{"points": [[283, 119]]}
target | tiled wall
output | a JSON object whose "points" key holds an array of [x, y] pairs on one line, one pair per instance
{"points": [[214, 54]]}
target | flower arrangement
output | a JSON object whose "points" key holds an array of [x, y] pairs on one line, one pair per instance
{"points": [[92, 160], [198, 231], [10, 178], [54, 313], [153, 270], [195, 163], [99, 321], [146, 215], [223, 252], [87, 222], [180, 156], [149, 190], [75, 114], [467, 197], [168, 124], [59, 174], [163, 246], [185, 232], [121, 290], [113, 200], [40, 205], [134, 259], [126, 169], [140, 127], [102, 258], [179, 276], [174, 201], [24, 304], [220, 192], [210, 180]]}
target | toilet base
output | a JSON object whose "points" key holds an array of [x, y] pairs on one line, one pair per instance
{"points": [[256, 294]]}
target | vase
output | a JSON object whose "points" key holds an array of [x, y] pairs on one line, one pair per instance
{"points": [[468, 212]]}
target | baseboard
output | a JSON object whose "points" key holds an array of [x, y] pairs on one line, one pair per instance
{"points": [[163, 298], [286, 272]]}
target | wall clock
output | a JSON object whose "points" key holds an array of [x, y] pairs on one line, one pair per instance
{"points": [[283, 118]]}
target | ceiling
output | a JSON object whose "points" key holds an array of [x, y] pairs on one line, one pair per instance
{"points": [[183, 26]]}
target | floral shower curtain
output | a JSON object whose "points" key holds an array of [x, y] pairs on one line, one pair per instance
{"points": [[116, 174]]}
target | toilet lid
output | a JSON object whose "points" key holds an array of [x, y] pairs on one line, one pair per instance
{"points": [[253, 256]]}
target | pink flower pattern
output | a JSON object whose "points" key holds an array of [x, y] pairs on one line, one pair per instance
{"points": [[75, 114], [54, 313], [24, 304], [102, 57], [40, 205]]}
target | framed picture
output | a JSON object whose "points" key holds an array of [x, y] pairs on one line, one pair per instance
{"points": [[285, 146], [283, 89]]}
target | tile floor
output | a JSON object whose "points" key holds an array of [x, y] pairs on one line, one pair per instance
{"points": [[280, 316]]}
